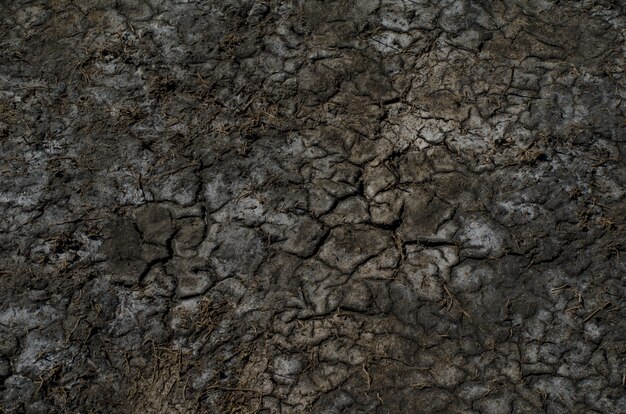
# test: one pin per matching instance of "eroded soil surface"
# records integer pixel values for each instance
(363, 206)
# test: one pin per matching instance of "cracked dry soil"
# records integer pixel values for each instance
(289, 206)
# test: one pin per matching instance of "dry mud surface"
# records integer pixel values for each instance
(370, 206)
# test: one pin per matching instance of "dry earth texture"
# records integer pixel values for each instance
(300, 206)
